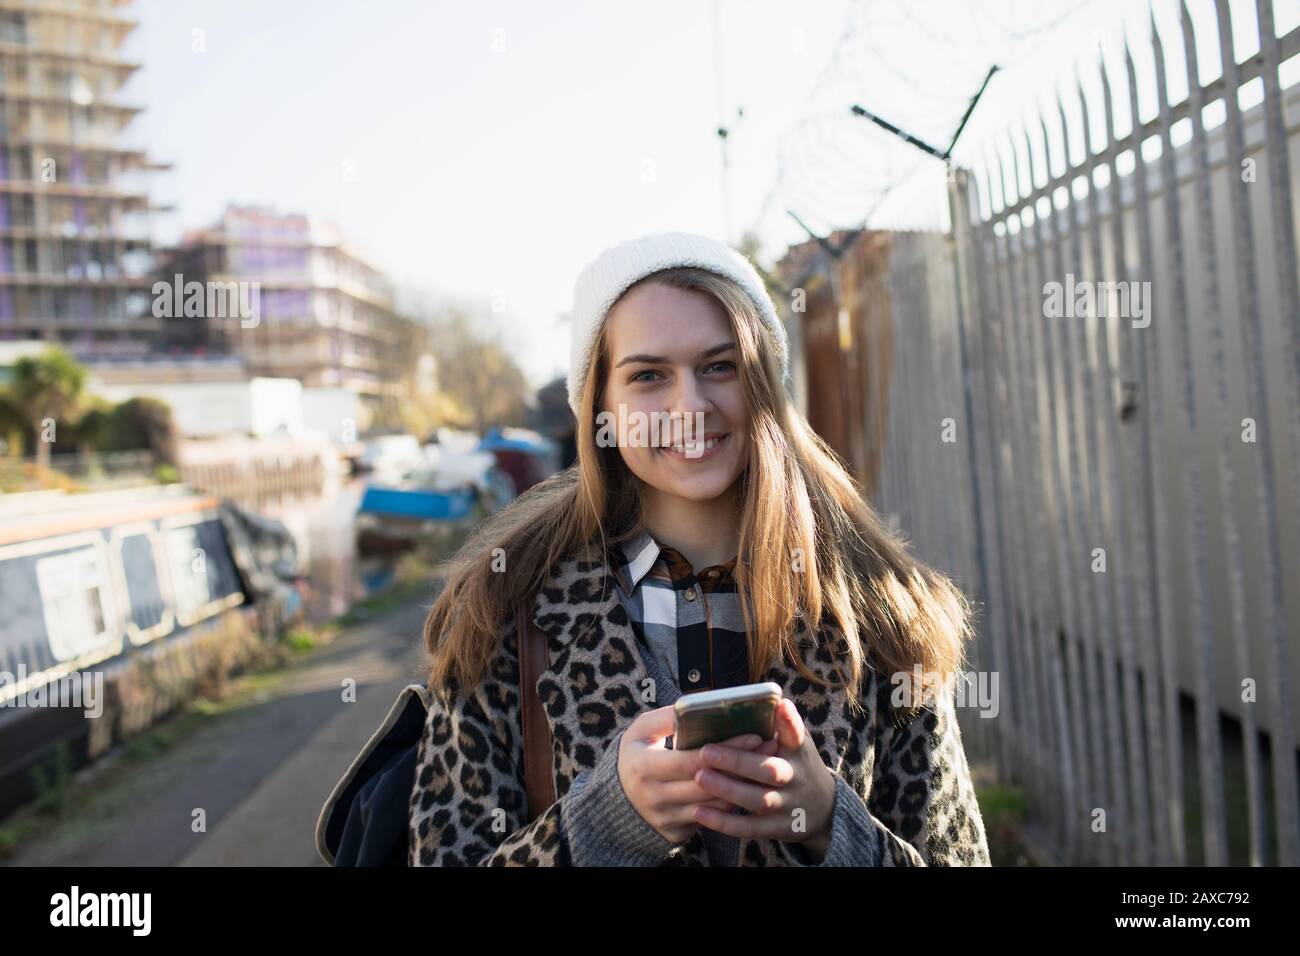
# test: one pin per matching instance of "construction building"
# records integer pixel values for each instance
(301, 303)
(75, 252)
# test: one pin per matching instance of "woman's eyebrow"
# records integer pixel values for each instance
(660, 359)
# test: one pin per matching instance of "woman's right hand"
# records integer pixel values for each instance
(660, 783)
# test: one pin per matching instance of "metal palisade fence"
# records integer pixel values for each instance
(1093, 423)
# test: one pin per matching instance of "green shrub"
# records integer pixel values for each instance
(300, 639)
(140, 423)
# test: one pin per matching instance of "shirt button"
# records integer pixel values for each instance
(693, 676)
(690, 593)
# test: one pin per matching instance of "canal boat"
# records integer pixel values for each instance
(116, 607)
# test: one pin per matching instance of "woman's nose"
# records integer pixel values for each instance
(688, 397)
(689, 409)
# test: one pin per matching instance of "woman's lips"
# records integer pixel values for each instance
(701, 451)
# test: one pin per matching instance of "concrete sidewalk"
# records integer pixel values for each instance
(260, 773)
(274, 825)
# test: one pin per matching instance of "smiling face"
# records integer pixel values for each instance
(672, 353)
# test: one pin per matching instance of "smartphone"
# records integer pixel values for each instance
(711, 716)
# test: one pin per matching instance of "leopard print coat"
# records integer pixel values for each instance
(906, 779)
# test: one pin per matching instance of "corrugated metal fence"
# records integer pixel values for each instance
(1093, 423)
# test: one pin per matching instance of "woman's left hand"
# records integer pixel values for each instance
(773, 782)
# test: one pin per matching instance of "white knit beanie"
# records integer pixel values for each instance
(609, 275)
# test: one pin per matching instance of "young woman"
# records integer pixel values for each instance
(665, 564)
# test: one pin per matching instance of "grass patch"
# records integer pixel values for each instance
(53, 780)
(389, 599)
(12, 835)
(302, 639)
(1005, 810)
(162, 737)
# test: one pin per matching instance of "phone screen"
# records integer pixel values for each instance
(714, 724)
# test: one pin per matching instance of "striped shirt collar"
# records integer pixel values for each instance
(633, 557)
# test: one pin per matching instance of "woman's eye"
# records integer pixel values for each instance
(722, 366)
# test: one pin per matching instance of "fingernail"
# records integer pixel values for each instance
(710, 752)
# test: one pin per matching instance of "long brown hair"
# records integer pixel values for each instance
(811, 547)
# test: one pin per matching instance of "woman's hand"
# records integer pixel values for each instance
(774, 782)
(660, 782)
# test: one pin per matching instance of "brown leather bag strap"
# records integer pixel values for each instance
(538, 782)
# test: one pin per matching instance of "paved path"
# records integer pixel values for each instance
(260, 772)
